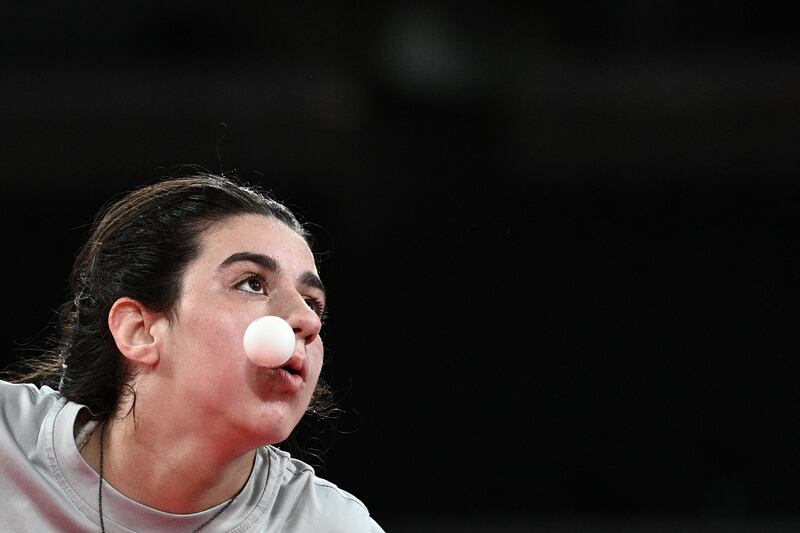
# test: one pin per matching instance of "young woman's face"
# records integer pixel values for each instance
(249, 266)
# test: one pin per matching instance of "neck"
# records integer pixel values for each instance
(177, 475)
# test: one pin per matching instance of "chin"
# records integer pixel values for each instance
(277, 426)
(276, 437)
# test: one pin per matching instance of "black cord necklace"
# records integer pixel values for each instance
(100, 491)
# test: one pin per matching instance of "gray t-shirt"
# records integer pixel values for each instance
(45, 485)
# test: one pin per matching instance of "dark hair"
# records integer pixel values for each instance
(140, 248)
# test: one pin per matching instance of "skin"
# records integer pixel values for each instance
(202, 407)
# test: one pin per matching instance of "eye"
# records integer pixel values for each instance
(316, 305)
(253, 283)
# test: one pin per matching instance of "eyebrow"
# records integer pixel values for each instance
(307, 278)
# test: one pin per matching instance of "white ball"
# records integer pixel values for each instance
(269, 341)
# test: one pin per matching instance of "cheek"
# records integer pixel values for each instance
(315, 354)
(212, 342)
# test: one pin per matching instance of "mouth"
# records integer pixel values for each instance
(296, 367)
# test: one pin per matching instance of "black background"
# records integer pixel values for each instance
(561, 239)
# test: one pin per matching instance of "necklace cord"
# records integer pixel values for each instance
(100, 485)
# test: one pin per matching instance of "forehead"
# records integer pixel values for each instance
(256, 234)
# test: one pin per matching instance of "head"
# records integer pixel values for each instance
(140, 253)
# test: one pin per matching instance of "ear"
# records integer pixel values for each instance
(136, 330)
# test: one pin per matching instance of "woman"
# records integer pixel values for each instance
(149, 416)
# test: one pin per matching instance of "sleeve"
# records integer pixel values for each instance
(374, 527)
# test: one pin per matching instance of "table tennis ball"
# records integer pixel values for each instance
(269, 341)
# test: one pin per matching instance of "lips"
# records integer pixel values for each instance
(296, 366)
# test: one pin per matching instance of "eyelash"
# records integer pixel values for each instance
(314, 303)
(318, 307)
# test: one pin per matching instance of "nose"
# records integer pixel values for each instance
(305, 322)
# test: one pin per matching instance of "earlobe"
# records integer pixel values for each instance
(135, 330)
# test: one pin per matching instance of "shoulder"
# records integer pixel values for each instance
(319, 500)
(23, 403)
(301, 477)
(24, 396)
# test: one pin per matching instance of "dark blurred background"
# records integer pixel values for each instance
(561, 239)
